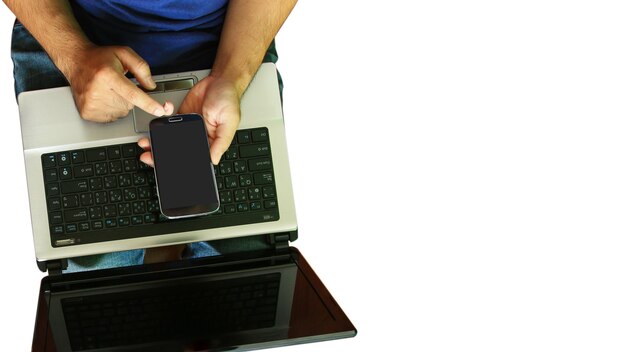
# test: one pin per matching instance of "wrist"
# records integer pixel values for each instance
(72, 58)
(239, 76)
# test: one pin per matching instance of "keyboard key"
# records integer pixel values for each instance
(75, 215)
(54, 203)
(260, 164)
(49, 160)
(101, 168)
(74, 186)
(77, 157)
(269, 204)
(263, 178)
(144, 192)
(97, 154)
(57, 229)
(130, 165)
(139, 207)
(231, 181)
(110, 223)
(70, 228)
(95, 184)
(226, 168)
(65, 173)
(115, 167)
(153, 206)
(56, 218)
(69, 201)
(63, 158)
(260, 135)
(149, 218)
(231, 153)
(249, 151)
(269, 192)
(125, 221)
(86, 199)
(136, 220)
(52, 189)
(143, 166)
(129, 150)
(83, 171)
(240, 195)
(124, 209)
(100, 197)
(110, 210)
(240, 166)
(50, 175)
(254, 193)
(139, 179)
(95, 213)
(124, 180)
(97, 225)
(110, 182)
(243, 137)
(115, 195)
(84, 226)
(226, 196)
(245, 180)
(130, 194)
(114, 152)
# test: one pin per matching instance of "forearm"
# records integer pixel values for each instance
(249, 28)
(53, 24)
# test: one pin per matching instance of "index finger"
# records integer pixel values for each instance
(129, 91)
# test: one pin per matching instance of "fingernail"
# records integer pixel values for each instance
(152, 83)
(159, 111)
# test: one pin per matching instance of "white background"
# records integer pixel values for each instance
(458, 166)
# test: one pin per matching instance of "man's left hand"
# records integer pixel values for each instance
(218, 102)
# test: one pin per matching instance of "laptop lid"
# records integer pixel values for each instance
(247, 301)
(51, 124)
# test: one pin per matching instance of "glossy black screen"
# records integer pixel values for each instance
(184, 172)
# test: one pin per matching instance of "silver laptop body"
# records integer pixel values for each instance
(50, 123)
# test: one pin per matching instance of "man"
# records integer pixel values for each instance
(92, 45)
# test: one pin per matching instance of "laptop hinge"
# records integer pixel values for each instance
(53, 267)
(280, 241)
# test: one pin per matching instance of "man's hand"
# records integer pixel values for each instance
(217, 100)
(101, 91)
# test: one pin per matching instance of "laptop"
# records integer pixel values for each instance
(89, 194)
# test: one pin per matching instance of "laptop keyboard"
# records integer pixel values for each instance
(172, 313)
(106, 193)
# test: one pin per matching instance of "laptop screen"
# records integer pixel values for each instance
(246, 302)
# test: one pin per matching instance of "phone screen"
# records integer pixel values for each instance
(184, 172)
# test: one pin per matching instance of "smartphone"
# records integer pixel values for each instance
(184, 174)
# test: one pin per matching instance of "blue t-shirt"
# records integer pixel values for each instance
(171, 35)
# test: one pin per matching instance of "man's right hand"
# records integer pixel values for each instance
(101, 90)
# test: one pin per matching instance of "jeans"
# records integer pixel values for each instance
(33, 70)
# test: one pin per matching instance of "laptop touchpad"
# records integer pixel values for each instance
(174, 91)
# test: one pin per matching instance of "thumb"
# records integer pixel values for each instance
(134, 63)
(218, 148)
(224, 134)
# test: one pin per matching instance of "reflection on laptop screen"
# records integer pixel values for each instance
(190, 310)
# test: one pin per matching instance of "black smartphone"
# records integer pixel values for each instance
(184, 173)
